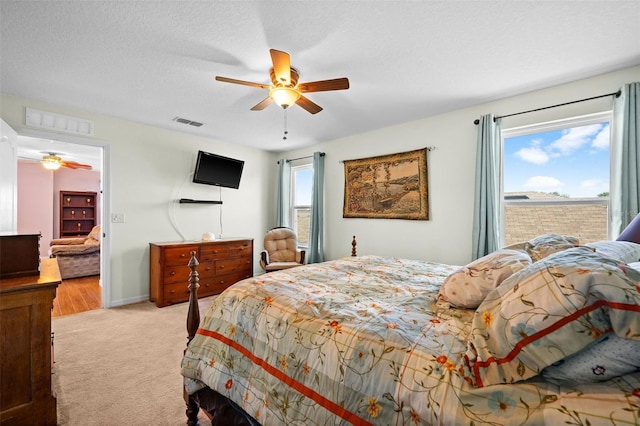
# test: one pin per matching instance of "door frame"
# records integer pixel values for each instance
(105, 205)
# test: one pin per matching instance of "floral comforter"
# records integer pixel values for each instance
(361, 341)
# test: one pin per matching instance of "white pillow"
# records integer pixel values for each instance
(622, 251)
(610, 356)
(468, 286)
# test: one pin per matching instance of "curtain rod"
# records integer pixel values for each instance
(428, 148)
(302, 158)
(617, 94)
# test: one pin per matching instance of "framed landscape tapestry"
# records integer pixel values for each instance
(387, 187)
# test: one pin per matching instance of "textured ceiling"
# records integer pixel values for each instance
(152, 61)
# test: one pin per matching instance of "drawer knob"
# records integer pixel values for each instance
(172, 273)
(183, 255)
(221, 266)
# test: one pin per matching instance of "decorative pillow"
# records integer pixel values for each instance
(468, 286)
(548, 311)
(544, 245)
(622, 251)
(610, 356)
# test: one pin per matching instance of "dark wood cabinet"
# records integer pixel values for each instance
(19, 255)
(221, 264)
(77, 213)
(26, 396)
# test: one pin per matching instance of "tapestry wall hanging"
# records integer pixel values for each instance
(387, 187)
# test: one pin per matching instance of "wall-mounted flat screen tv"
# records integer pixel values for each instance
(212, 169)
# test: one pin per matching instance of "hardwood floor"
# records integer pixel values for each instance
(77, 295)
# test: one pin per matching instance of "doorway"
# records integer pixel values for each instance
(86, 169)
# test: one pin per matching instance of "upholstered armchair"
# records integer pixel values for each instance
(77, 257)
(281, 250)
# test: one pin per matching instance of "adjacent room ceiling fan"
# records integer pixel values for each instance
(52, 161)
(285, 90)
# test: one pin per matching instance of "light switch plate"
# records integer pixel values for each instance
(117, 217)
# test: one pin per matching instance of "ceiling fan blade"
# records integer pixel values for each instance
(245, 83)
(311, 107)
(281, 66)
(324, 85)
(262, 104)
(74, 165)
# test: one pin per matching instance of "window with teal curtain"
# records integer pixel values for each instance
(625, 158)
(316, 238)
(486, 206)
(283, 193)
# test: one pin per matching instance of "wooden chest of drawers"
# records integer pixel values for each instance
(222, 263)
(26, 394)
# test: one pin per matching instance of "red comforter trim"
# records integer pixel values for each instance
(553, 327)
(274, 371)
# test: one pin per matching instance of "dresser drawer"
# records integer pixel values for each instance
(220, 282)
(175, 293)
(243, 248)
(179, 255)
(206, 269)
(174, 274)
(209, 253)
(236, 264)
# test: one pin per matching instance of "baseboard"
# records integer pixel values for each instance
(129, 301)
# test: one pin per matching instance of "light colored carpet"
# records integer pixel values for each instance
(121, 366)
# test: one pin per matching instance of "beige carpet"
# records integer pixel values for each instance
(121, 366)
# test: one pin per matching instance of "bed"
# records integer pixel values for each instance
(544, 332)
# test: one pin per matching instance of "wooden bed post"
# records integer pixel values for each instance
(193, 322)
(353, 246)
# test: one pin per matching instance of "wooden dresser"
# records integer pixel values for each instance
(26, 397)
(222, 263)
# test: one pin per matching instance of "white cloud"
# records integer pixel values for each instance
(533, 155)
(592, 187)
(575, 138)
(601, 141)
(543, 184)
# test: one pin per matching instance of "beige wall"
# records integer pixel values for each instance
(150, 168)
(446, 237)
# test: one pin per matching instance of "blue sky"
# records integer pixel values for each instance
(573, 161)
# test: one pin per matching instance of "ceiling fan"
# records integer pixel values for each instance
(285, 90)
(52, 161)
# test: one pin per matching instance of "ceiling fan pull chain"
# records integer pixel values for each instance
(284, 137)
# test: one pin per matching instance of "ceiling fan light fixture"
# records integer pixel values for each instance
(284, 96)
(51, 162)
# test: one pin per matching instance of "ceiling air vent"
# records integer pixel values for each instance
(189, 122)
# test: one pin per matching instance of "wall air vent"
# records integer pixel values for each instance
(58, 122)
(189, 122)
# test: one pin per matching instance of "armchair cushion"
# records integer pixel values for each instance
(281, 250)
(77, 257)
(72, 250)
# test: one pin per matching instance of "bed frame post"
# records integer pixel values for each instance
(193, 317)
(193, 322)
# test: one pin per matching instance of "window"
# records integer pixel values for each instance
(556, 179)
(301, 187)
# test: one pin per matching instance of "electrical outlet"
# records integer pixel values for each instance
(117, 217)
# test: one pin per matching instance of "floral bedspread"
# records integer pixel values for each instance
(361, 341)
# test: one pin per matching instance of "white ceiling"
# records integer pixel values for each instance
(152, 61)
